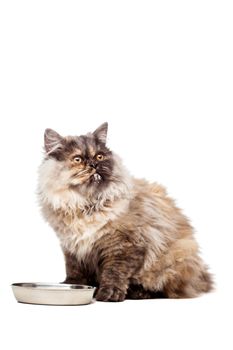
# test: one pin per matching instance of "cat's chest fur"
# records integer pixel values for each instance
(78, 230)
(81, 233)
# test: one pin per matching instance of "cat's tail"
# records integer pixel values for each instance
(199, 281)
(205, 281)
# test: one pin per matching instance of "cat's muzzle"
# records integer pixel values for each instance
(97, 177)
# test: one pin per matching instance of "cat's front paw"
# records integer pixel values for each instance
(110, 294)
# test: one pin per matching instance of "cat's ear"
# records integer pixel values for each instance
(101, 133)
(53, 142)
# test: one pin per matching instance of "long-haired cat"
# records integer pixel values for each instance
(123, 235)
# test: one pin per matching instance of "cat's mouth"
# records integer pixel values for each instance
(97, 177)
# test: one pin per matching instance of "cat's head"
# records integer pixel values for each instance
(82, 161)
(80, 172)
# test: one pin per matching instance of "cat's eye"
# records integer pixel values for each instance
(100, 157)
(78, 159)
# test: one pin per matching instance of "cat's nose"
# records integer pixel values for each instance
(93, 165)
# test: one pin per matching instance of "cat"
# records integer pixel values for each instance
(121, 234)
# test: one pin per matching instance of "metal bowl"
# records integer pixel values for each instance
(53, 293)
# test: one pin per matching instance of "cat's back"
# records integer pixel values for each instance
(152, 198)
(151, 206)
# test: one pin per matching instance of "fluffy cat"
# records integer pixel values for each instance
(123, 235)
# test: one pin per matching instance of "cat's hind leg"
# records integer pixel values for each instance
(186, 276)
(180, 273)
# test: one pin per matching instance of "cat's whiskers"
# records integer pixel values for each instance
(83, 173)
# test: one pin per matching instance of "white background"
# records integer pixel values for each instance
(160, 72)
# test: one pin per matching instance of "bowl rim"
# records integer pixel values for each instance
(52, 286)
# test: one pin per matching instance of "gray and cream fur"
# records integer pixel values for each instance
(123, 235)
